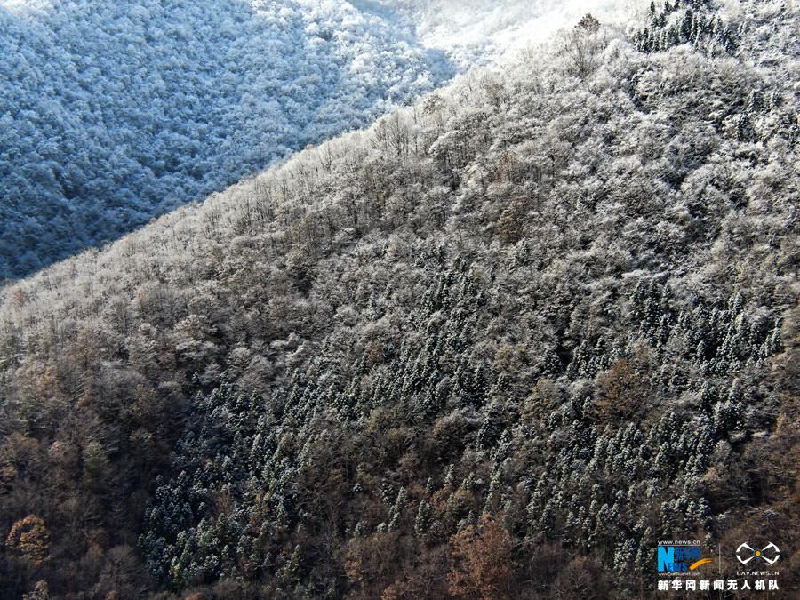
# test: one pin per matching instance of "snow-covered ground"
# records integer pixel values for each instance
(481, 31)
(113, 112)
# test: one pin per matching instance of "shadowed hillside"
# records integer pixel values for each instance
(115, 112)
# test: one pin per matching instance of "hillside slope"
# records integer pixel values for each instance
(498, 345)
(113, 113)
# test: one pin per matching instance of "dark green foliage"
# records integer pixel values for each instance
(686, 22)
(593, 484)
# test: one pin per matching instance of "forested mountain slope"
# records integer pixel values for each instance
(114, 112)
(498, 345)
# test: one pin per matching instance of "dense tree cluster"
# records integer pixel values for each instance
(496, 346)
(684, 22)
(115, 112)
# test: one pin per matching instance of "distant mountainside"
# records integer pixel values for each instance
(499, 345)
(113, 113)
(473, 31)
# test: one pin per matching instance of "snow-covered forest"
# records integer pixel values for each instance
(497, 345)
(114, 112)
